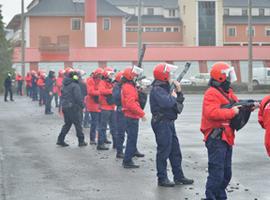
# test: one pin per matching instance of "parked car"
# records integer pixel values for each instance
(261, 76)
(186, 82)
(201, 79)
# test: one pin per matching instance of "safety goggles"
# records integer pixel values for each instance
(230, 74)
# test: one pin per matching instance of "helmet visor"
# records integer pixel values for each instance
(230, 74)
(137, 70)
(171, 69)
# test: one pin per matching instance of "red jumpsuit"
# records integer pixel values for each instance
(213, 116)
(264, 120)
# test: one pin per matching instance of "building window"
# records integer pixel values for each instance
(106, 24)
(252, 32)
(226, 11)
(154, 29)
(231, 31)
(244, 12)
(172, 13)
(168, 29)
(76, 24)
(267, 31)
(175, 29)
(261, 12)
(150, 11)
(132, 29)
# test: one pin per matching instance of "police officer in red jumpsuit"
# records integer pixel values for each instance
(92, 102)
(107, 107)
(132, 112)
(218, 135)
(264, 120)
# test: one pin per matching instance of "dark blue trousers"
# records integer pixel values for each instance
(107, 117)
(42, 96)
(132, 128)
(34, 93)
(48, 102)
(219, 169)
(121, 130)
(95, 120)
(167, 148)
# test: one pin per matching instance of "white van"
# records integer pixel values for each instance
(261, 76)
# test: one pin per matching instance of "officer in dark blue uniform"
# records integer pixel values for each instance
(165, 106)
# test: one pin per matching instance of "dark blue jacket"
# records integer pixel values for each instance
(8, 82)
(71, 94)
(162, 103)
(49, 82)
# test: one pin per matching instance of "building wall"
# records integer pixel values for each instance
(57, 26)
(113, 37)
(220, 25)
(53, 27)
(242, 34)
(189, 16)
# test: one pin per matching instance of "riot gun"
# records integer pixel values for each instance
(245, 109)
(181, 75)
(247, 103)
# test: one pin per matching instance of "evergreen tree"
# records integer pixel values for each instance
(5, 54)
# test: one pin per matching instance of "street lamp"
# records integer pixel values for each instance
(139, 29)
(22, 39)
(250, 53)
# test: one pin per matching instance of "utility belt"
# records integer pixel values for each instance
(71, 106)
(160, 117)
(216, 133)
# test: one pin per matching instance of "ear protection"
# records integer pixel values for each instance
(75, 77)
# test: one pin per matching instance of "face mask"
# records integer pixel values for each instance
(226, 85)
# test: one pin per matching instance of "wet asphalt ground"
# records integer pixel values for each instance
(32, 167)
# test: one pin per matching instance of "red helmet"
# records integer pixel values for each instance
(82, 72)
(61, 72)
(129, 74)
(43, 75)
(107, 72)
(68, 70)
(118, 76)
(33, 72)
(220, 71)
(162, 71)
(98, 73)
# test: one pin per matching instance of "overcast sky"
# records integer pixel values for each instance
(11, 8)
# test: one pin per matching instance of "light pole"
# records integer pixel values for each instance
(139, 29)
(250, 49)
(22, 39)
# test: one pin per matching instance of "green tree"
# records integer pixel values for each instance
(5, 53)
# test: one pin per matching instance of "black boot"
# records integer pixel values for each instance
(92, 142)
(138, 154)
(165, 183)
(102, 147)
(183, 181)
(130, 165)
(82, 144)
(62, 144)
(120, 155)
(107, 142)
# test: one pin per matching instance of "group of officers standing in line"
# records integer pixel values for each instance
(117, 100)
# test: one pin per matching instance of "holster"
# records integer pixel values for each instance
(217, 133)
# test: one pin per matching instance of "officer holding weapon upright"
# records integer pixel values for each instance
(165, 106)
